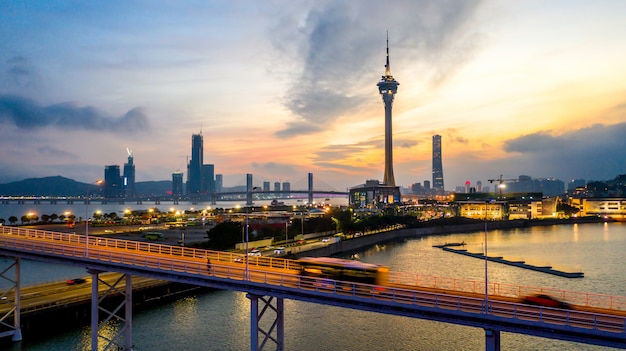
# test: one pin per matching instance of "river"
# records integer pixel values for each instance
(220, 320)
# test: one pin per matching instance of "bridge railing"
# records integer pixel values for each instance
(458, 304)
(403, 278)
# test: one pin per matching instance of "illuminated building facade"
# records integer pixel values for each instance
(437, 164)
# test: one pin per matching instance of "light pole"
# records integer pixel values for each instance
(486, 275)
(97, 182)
(247, 253)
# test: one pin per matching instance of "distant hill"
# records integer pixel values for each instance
(61, 186)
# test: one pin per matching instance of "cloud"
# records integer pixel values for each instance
(340, 42)
(28, 114)
(595, 152)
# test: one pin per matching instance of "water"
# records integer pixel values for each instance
(220, 320)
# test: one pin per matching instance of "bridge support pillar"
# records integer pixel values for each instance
(14, 311)
(492, 340)
(270, 330)
(122, 339)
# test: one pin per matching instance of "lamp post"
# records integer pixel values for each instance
(97, 182)
(486, 275)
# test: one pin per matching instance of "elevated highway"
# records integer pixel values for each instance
(595, 319)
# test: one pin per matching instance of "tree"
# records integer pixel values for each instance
(24, 219)
(225, 235)
(12, 220)
(45, 218)
(2, 221)
(54, 217)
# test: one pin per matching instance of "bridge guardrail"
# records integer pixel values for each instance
(425, 281)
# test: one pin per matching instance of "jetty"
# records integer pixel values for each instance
(520, 264)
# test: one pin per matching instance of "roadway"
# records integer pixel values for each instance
(588, 323)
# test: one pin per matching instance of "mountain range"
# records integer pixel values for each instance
(61, 186)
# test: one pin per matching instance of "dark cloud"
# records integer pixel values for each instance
(341, 43)
(28, 114)
(596, 152)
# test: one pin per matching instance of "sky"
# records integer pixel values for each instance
(281, 89)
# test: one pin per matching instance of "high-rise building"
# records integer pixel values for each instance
(177, 184)
(219, 183)
(112, 182)
(208, 179)
(437, 164)
(266, 186)
(129, 176)
(387, 87)
(194, 168)
(276, 186)
(286, 186)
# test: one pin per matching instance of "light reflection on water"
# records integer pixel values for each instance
(220, 320)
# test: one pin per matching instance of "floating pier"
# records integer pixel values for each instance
(521, 264)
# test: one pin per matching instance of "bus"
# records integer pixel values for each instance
(154, 236)
(343, 270)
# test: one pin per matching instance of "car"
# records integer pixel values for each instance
(325, 240)
(545, 301)
(254, 252)
(279, 251)
(75, 281)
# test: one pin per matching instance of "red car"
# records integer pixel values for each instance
(546, 301)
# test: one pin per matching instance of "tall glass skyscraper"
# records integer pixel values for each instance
(194, 168)
(129, 176)
(437, 164)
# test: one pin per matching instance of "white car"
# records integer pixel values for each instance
(254, 253)
(280, 251)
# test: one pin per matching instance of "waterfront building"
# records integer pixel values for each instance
(208, 179)
(437, 164)
(177, 184)
(266, 186)
(112, 182)
(194, 168)
(129, 176)
(608, 207)
(219, 183)
(374, 194)
(276, 186)
(286, 187)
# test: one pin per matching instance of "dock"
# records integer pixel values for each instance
(520, 264)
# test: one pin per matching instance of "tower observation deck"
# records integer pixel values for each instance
(388, 86)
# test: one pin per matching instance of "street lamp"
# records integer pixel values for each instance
(486, 275)
(97, 182)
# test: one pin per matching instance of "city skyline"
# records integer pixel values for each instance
(283, 89)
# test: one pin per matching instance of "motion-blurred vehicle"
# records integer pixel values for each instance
(546, 301)
(75, 281)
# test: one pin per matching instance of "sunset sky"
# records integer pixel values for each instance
(283, 88)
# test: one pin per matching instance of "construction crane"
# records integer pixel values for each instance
(501, 182)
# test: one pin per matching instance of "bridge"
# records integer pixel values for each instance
(596, 319)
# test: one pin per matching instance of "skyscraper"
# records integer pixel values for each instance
(388, 86)
(129, 176)
(177, 184)
(194, 168)
(437, 164)
(112, 182)
(208, 179)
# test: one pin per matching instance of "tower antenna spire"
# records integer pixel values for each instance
(387, 67)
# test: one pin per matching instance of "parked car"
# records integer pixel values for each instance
(546, 301)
